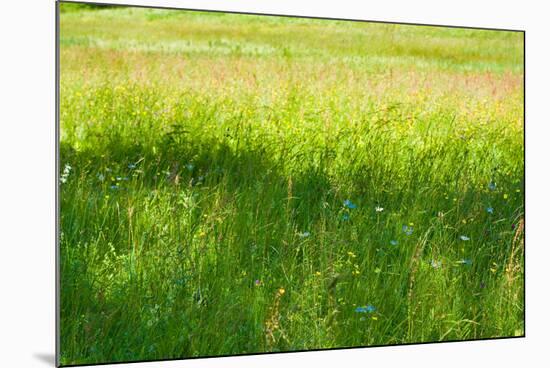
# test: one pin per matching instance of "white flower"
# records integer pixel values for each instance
(379, 209)
(464, 238)
(66, 171)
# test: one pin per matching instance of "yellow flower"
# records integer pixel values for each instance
(505, 196)
(281, 291)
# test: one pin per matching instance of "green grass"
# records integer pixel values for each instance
(206, 159)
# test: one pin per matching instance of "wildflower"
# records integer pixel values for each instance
(393, 242)
(464, 238)
(114, 187)
(317, 273)
(305, 234)
(492, 185)
(190, 167)
(132, 166)
(490, 210)
(118, 178)
(349, 204)
(379, 209)
(505, 196)
(101, 177)
(351, 254)
(435, 264)
(257, 282)
(66, 171)
(345, 217)
(281, 291)
(407, 229)
(366, 309)
(467, 262)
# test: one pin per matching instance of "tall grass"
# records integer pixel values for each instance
(237, 184)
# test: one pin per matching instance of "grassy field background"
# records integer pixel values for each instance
(236, 184)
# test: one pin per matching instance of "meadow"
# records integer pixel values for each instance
(236, 184)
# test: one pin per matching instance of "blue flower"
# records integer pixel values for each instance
(349, 204)
(490, 210)
(366, 309)
(114, 187)
(492, 185)
(345, 217)
(132, 166)
(190, 167)
(305, 234)
(407, 229)
(464, 238)
(393, 242)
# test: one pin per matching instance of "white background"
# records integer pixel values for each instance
(27, 204)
